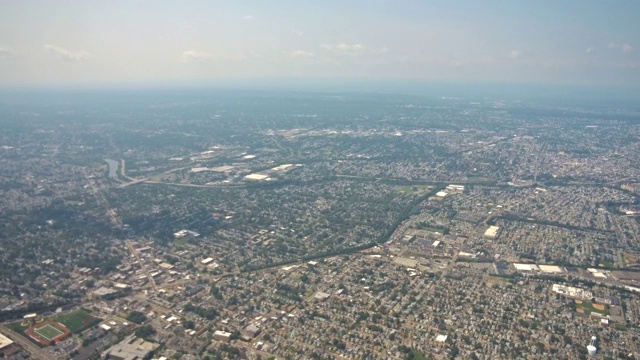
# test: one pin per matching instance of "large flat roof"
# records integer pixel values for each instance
(550, 268)
(256, 177)
(492, 231)
(5, 341)
(526, 267)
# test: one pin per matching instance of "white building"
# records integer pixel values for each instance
(222, 336)
(492, 232)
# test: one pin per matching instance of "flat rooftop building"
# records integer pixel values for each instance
(551, 269)
(256, 177)
(321, 296)
(250, 331)
(526, 267)
(222, 336)
(4, 341)
(131, 348)
(571, 291)
(492, 232)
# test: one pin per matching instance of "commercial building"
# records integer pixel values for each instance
(250, 331)
(458, 188)
(256, 177)
(571, 291)
(131, 348)
(206, 261)
(222, 336)
(321, 296)
(492, 232)
(551, 269)
(183, 233)
(526, 267)
(4, 341)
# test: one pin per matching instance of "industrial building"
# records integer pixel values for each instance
(551, 269)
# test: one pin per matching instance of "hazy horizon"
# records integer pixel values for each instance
(132, 44)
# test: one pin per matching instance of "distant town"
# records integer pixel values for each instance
(260, 225)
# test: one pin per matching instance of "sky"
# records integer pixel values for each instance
(83, 42)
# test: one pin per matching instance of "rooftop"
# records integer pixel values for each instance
(5, 341)
(131, 348)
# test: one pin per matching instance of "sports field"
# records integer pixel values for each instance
(48, 332)
(77, 321)
(45, 333)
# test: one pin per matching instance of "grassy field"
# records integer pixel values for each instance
(432, 229)
(416, 189)
(620, 327)
(418, 355)
(588, 307)
(490, 280)
(77, 321)
(49, 332)
(17, 327)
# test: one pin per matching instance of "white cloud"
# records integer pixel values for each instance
(65, 54)
(249, 18)
(5, 52)
(296, 32)
(193, 55)
(625, 48)
(515, 54)
(472, 61)
(203, 56)
(345, 49)
(590, 50)
(301, 54)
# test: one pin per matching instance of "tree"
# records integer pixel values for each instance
(189, 324)
(454, 352)
(137, 317)
(145, 332)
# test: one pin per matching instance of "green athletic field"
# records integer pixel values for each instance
(48, 331)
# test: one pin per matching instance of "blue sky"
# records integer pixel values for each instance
(62, 42)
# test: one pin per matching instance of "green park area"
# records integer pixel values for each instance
(19, 326)
(77, 321)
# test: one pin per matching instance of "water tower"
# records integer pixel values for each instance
(591, 348)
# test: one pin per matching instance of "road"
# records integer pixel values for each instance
(26, 344)
(142, 264)
(138, 181)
